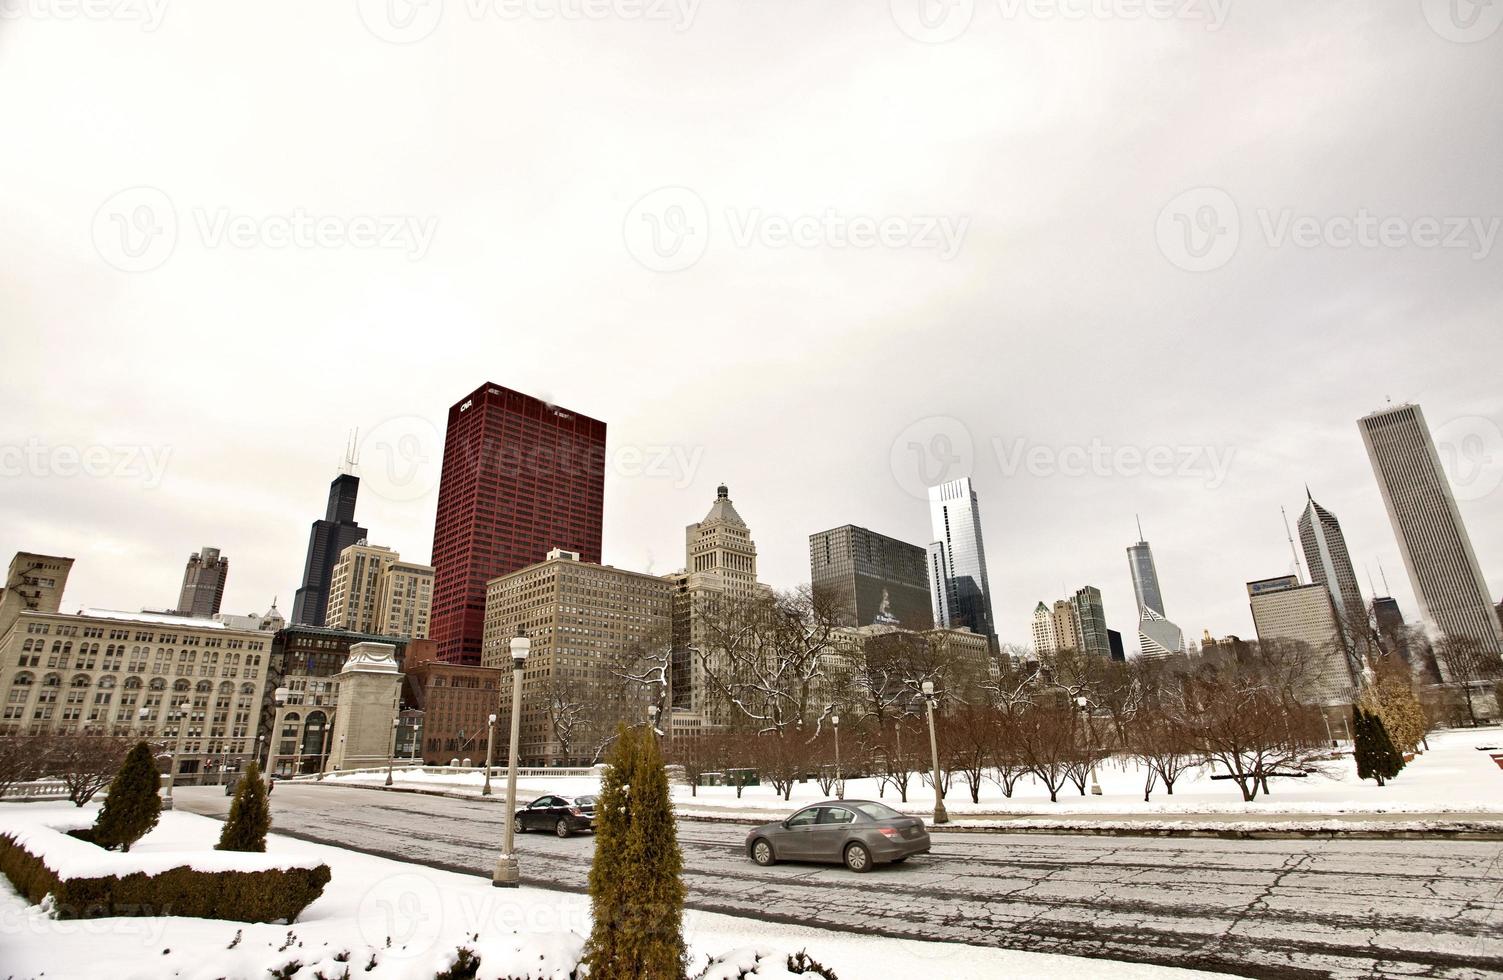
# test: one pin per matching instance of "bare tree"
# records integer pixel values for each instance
(21, 759)
(970, 744)
(85, 763)
(1046, 734)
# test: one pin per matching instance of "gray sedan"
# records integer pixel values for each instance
(856, 833)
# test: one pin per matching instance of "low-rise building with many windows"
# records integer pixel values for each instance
(109, 673)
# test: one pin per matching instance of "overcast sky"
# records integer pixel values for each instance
(820, 252)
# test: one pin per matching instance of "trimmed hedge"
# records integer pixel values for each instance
(247, 896)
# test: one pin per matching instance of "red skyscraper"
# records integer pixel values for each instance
(520, 477)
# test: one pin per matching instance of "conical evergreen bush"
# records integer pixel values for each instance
(132, 806)
(1376, 756)
(636, 889)
(250, 815)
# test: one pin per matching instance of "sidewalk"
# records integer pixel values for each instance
(1480, 826)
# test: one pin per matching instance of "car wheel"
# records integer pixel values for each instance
(762, 853)
(521, 827)
(561, 828)
(858, 858)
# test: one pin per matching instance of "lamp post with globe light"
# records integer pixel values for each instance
(490, 744)
(508, 874)
(839, 783)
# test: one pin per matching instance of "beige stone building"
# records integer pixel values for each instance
(584, 621)
(371, 590)
(103, 672)
(1283, 609)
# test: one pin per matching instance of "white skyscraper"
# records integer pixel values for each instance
(1437, 551)
(957, 561)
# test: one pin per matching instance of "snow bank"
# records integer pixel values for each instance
(44, 833)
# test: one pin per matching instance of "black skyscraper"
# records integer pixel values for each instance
(336, 532)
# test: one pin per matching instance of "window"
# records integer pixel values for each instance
(835, 814)
(804, 818)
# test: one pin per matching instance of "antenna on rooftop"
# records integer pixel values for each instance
(1299, 571)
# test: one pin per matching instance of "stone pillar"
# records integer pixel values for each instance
(369, 687)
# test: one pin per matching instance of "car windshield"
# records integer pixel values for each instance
(877, 811)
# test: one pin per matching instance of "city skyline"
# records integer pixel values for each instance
(1020, 633)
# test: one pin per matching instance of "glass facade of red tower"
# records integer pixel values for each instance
(520, 477)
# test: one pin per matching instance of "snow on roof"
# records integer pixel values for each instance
(156, 619)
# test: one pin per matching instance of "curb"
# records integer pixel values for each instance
(1492, 831)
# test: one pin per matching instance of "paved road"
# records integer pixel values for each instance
(1264, 908)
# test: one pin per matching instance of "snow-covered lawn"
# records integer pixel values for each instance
(1453, 777)
(408, 920)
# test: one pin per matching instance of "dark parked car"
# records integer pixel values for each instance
(563, 815)
(856, 833)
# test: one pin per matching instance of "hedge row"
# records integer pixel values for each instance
(247, 896)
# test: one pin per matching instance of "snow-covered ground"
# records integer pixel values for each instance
(1453, 777)
(407, 920)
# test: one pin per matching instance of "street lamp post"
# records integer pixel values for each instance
(323, 762)
(279, 696)
(1084, 705)
(490, 754)
(392, 755)
(839, 783)
(652, 718)
(508, 874)
(177, 750)
(940, 816)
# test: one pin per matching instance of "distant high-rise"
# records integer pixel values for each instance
(1114, 642)
(958, 585)
(520, 478)
(1387, 615)
(1283, 609)
(1090, 618)
(1066, 626)
(1331, 565)
(326, 540)
(877, 580)
(1043, 629)
(203, 584)
(1437, 552)
(1157, 636)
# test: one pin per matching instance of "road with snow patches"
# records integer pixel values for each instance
(1260, 908)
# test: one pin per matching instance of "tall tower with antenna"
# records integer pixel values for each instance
(326, 540)
(1157, 636)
